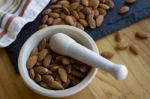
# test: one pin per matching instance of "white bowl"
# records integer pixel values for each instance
(34, 40)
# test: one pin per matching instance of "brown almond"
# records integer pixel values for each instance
(64, 3)
(56, 6)
(38, 78)
(54, 67)
(86, 10)
(99, 20)
(90, 16)
(68, 69)
(34, 51)
(43, 84)
(57, 21)
(79, 8)
(134, 49)
(42, 26)
(65, 61)
(57, 78)
(81, 15)
(85, 2)
(122, 45)
(54, 15)
(92, 23)
(63, 74)
(73, 6)
(31, 73)
(44, 19)
(47, 11)
(124, 9)
(54, 1)
(93, 3)
(110, 3)
(118, 37)
(77, 73)
(107, 54)
(130, 1)
(38, 63)
(50, 21)
(42, 44)
(66, 11)
(104, 6)
(57, 10)
(47, 60)
(32, 61)
(84, 68)
(69, 20)
(75, 14)
(83, 22)
(65, 85)
(102, 12)
(42, 54)
(75, 82)
(63, 15)
(96, 13)
(102, 1)
(41, 70)
(55, 85)
(142, 35)
(80, 26)
(47, 78)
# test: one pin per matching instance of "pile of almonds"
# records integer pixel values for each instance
(78, 13)
(53, 71)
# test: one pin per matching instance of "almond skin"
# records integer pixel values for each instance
(42, 26)
(31, 73)
(83, 22)
(142, 35)
(134, 49)
(55, 85)
(104, 6)
(47, 11)
(41, 70)
(124, 9)
(92, 23)
(73, 6)
(42, 44)
(69, 20)
(93, 3)
(63, 74)
(110, 3)
(85, 2)
(50, 21)
(118, 37)
(47, 60)
(107, 54)
(44, 19)
(47, 78)
(38, 78)
(42, 54)
(80, 26)
(32, 61)
(54, 15)
(122, 45)
(43, 84)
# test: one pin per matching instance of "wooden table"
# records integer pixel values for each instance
(104, 86)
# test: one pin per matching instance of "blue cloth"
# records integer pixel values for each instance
(113, 22)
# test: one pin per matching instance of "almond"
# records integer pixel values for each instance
(80, 26)
(54, 1)
(57, 21)
(64, 3)
(93, 3)
(130, 1)
(83, 22)
(65, 85)
(38, 78)
(75, 14)
(41, 70)
(42, 54)
(142, 35)
(44, 19)
(56, 6)
(134, 49)
(124, 9)
(68, 69)
(32, 61)
(102, 12)
(42, 26)
(57, 78)
(107, 54)
(104, 6)
(84, 68)
(57, 10)
(54, 15)
(47, 11)
(50, 21)
(77, 73)
(63, 15)
(110, 3)
(55, 85)
(79, 8)
(63, 74)
(31, 73)
(42, 44)
(96, 13)
(47, 60)
(85, 2)
(69, 20)
(34, 51)
(118, 37)
(102, 1)
(54, 67)
(43, 84)
(92, 23)
(73, 6)
(122, 45)
(81, 15)
(47, 78)
(86, 10)
(99, 20)
(66, 11)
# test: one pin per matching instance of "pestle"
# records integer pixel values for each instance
(65, 45)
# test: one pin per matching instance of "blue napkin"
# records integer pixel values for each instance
(113, 22)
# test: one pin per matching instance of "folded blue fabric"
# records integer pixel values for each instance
(113, 22)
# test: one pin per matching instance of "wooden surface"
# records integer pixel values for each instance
(136, 86)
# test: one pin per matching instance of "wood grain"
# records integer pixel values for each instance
(104, 86)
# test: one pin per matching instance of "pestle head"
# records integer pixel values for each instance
(60, 42)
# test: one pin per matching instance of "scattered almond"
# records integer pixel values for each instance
(107, 54)
(122, 45)
(118, 37)
(142, 35)
(124, 9)
(134, 49)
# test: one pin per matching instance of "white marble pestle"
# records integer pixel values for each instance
(65, 45)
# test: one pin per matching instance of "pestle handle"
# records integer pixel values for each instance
(65, 45)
